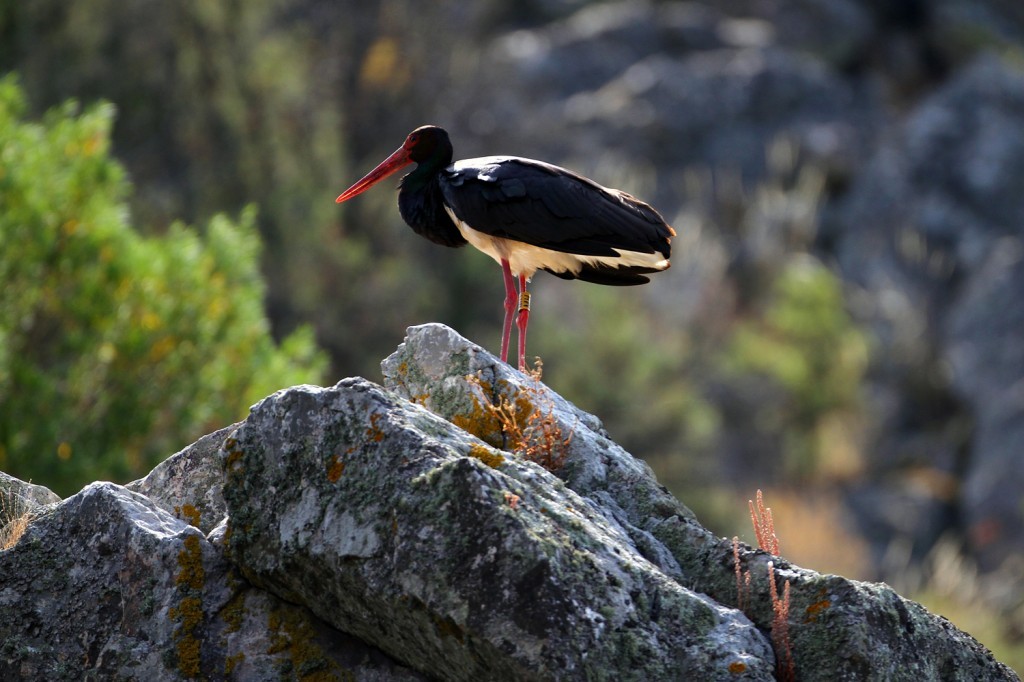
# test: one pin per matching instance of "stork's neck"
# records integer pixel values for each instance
(420, 198)
(421, 203)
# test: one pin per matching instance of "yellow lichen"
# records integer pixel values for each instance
(188, 513)
(231, 662)
(190, 560)
(189, 611)
(292, 634)
(189, 615)
(234, 612)
(486, 455)
(481, 420)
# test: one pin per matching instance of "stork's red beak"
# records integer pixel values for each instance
(400, 159)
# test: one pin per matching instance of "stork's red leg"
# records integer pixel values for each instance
(510, 308)
(522, 320)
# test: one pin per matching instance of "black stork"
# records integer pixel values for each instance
(527, 215)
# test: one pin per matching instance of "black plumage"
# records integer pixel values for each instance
(536, 203)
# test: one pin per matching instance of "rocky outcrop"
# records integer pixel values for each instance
(107, 584)
(465, 562)
(410, 531)
(829, 614)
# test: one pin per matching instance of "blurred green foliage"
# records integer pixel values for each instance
(118, 349)
(805, 341)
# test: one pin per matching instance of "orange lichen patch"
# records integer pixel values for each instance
(486, 455)
(188, 513)
(737, 667)
(481, 420)
(812, 612)
(335, 468)
(374, 432)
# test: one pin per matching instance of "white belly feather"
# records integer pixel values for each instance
(526, 259)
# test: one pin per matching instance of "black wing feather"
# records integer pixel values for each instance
(550, 207)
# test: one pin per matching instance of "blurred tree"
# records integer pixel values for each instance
(804, 342)
(117, 349)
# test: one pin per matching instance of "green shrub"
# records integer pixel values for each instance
(117, 349)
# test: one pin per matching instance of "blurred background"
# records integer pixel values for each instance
(842, 327)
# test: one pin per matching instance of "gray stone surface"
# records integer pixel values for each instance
(188, 483)
(107, 585)
(468, 564)
(830, 638)
(363, 535)
(17, 495)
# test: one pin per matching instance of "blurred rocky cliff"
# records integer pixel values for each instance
(918, 134)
